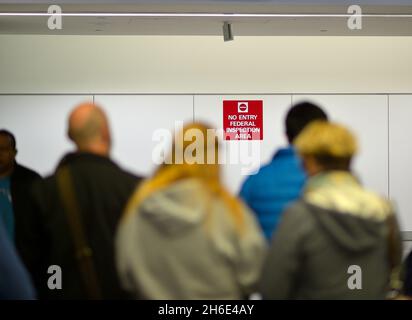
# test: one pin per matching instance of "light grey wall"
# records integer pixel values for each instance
(205, 64)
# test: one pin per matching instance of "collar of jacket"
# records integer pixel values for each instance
(17, 172)
(73, 157)
(332, 178)
(285, 152)
(342, 192)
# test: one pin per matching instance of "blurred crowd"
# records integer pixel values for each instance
(302, 227)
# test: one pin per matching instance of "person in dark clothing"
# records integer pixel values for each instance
(15, 282)
(15, 184)
(97, 193)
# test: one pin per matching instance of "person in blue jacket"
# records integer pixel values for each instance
(280, 182)
(15, 283)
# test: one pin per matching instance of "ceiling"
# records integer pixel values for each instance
(241, 26)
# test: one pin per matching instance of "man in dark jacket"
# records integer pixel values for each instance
(340, 240)
(15, 184)
(89, 187)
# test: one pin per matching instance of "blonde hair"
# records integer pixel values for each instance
(187, 167)
(326, 139)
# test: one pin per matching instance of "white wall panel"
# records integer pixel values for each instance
(40, 125)
(134, 119)
(400, 151)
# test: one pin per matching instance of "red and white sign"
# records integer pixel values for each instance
(243, 119)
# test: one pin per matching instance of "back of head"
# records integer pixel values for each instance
(299, 116)
(195, 151)
(89, 129)
(10, 137)
(194, 155)
(8, 152)
(330, 144)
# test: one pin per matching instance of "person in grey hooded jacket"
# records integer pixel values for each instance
(183, 236)
(339, 241)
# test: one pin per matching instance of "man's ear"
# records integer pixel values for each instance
(287, 138)
(106, 134)
(15, 153)
(310, 165)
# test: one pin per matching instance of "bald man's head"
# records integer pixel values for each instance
(89, 129)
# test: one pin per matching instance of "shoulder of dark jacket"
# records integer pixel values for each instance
(87, 158)
(23, 173)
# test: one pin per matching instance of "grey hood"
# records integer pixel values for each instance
(349, 232)
(167, 249)
(177, 208)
